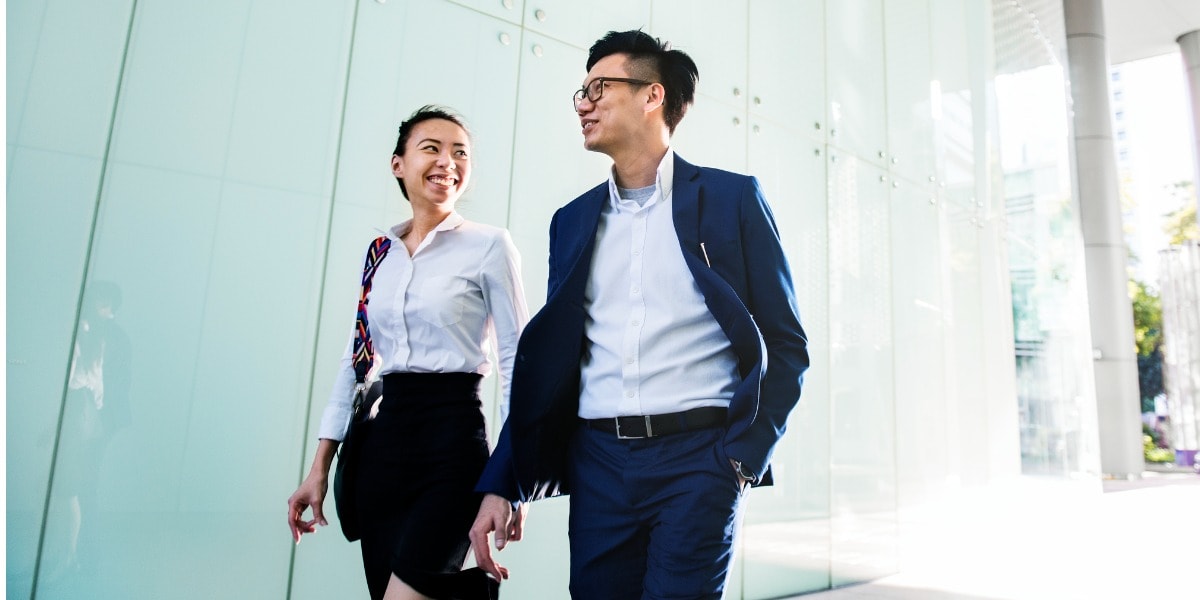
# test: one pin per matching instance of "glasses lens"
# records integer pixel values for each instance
(595, 89)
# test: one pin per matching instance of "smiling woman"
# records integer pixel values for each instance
(438, 309)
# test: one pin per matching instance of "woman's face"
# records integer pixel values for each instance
(436, 165)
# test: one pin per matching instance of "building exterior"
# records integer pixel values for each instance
(191, 186)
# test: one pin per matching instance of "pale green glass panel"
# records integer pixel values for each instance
(143, 212)
(855, 78)
(954, 121)
(181, 81)
(581, 24)
(787, 64)
(713, 34)
(548, 140)
(785, 538)
(909, 85)
(215, 404)
(285, 120)
(22, 31)
(863, 480)
(918, 321)
(74, 77)
(713, 134)
(509, 10)
(964, 364)
(51, 199)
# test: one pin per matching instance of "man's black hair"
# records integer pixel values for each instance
(652, 59)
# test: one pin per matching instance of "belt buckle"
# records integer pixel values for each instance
(621, 436)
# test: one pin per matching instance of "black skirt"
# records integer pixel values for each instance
(421, 458)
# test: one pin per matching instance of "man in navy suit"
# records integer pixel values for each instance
(656, 381)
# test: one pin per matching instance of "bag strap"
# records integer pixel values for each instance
(364, 351)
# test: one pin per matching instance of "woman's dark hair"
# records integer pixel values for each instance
(653, 60)
(425, 113)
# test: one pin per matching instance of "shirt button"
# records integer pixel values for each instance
(629, 394)
(636, 291)
(629, 361)
(635, 322)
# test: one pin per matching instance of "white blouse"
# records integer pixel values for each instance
(439, 311)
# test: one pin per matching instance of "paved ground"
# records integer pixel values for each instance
(1044, 539)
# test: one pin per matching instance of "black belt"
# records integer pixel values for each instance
(648, 426)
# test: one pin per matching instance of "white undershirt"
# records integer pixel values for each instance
(651, 345)
(439, 311)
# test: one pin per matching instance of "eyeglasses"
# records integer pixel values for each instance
(594, 90)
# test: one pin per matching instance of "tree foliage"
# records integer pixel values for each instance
(1180, 223)
(1147, 330)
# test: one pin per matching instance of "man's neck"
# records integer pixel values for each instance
(638, 168)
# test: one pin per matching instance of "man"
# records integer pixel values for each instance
(656, 381)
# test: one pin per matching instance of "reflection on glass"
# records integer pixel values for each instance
(96, 410)
(1052, 339)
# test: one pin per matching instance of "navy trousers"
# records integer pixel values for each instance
(651, 518)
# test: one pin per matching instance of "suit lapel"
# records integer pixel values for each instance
(686, 204)
(576, 239)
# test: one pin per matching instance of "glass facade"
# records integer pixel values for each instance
(172, 165)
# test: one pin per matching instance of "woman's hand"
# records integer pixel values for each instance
(310, 493)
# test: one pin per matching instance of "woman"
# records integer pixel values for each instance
(446, 290)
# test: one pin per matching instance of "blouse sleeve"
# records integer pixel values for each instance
(507, 311)
(337, 411)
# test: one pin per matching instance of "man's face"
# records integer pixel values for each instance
(612, 122)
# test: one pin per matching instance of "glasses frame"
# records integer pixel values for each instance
(582, 92)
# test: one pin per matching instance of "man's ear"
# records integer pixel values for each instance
(656, 97)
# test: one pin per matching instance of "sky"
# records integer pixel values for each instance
(1152, 93)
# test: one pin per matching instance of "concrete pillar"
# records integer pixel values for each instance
(1189, 47)
(1118, 404)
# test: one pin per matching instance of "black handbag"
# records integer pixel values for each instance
(345, 475)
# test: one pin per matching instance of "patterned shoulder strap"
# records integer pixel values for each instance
(364, 351)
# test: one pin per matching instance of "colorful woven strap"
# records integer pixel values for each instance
(364, 351)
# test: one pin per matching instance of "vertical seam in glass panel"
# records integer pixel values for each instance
(512, 175)
(87, 263)
(828, 301)
(337, 160)
(889, 202)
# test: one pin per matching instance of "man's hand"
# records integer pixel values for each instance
(496, 515)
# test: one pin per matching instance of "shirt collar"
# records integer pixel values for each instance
(452, 221)
(664, 180)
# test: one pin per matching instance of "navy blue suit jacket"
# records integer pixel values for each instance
(747, 286)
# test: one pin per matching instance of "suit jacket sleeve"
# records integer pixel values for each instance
(499, 475)
(772, 303)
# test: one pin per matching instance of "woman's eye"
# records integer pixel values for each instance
(461, 154)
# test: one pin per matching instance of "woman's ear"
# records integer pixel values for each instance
(398, 166)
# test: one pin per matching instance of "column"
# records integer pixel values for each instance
(1111, 313)
(1189, 47)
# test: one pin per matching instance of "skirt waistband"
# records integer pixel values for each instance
(405, 385)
